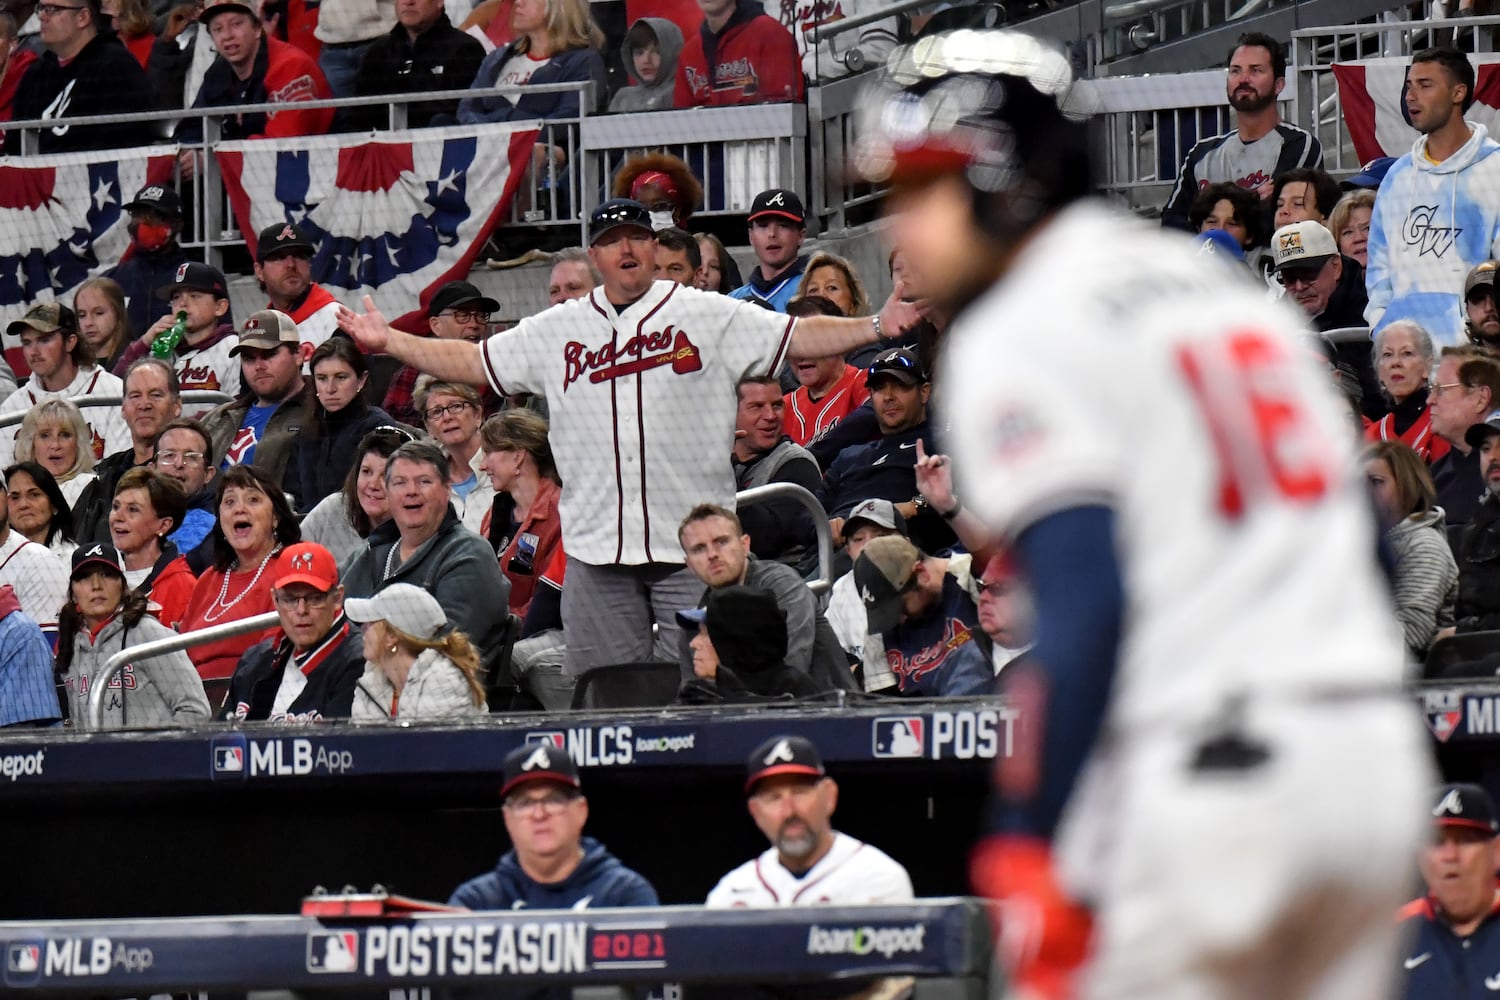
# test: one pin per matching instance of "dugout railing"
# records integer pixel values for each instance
(187, 640)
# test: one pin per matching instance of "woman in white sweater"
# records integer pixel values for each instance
(416, 667)
(1425, 580)
(103, 617)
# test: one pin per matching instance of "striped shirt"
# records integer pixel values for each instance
(1227, 157)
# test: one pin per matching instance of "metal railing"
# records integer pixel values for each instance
(791, 491)
(189, 397)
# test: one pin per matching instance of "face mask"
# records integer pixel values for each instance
(149, 236)
(662, 220)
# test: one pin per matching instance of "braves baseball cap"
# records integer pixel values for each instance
(544, 761)
(193, 276)
(1370, 175)
(780, 203)
(283, 236)
(156, 198)
(1476, 433)
(45, 317)
(460, 293)
(100, 555)
(409, 609)
(881, 573)
(1482, 275)
(783, 755)
(881, 513)
(1466, 805)
(214, 8)
(899, 362)
(1302, 244)
(1218, 243)
(265, 331)
(309, 563)
(616, 213)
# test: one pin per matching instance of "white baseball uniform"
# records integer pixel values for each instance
(851, 873)
(38, 576)
(1173, 392)
(643, 408)
(209, 367)
(106, 422)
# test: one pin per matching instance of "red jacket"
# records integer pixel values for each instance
(20, 62)
(170, 589)
(1419, 436)
(807, 418)
(753, 60)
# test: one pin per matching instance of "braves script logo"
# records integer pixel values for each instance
(1249, 181)
(300, 89)
(803, 16)
(956, 635)
(1430, 239)
(738, 75)
(638, 354)
(198, 377)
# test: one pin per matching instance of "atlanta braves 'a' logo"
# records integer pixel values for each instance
(661, 348)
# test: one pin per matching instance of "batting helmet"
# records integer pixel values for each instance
(998, 107)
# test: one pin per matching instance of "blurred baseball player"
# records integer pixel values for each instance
(1214, 693)
(639, 376)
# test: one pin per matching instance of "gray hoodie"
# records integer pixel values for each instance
(153, 693)
(658, 96)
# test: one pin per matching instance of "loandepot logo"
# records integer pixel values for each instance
(886, 941)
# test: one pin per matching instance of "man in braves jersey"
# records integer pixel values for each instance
(1453, 931)
(828, 389)
(1261, 145)
(792, 800)
(1215, 687)
(62, 367)
(38, 577)
(639, 376)
(283, 266)
(202, 359)
(778, 225)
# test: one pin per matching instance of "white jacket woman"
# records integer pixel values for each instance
(416, 667)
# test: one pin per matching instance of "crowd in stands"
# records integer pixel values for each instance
(1396, 266)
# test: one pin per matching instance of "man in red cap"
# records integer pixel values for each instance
(551, 865)
(1454, 928)
(309, 671)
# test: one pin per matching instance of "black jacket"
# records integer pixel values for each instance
(1478, 606)
(781, 529)
(442, 58)
(318, 465)
(141, 275)
(91, 512)
(1346, 308)
(329, 694)
(1460, 486)
(887, 470)
(782, 684)
(103, 79)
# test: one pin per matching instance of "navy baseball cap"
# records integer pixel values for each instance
(99, 555)
(618, 212)
(1466, 805)
(193, 276)
(156, 198)
(460, 293)
(783, 755)
(1370, 175)
(900, 363)
(538, 762)
(280, 238)
(780, 203)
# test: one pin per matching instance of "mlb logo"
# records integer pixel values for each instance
(23, 963)
(899, 737)
(1443, 711)
(333, 951)
(228, 757)
(556, 737)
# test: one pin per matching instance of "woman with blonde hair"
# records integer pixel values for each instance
(1424, 580)
(836, 279)
(416, 666)
(55, 436)
(556, 41)
(1350, 225)
(451, 412)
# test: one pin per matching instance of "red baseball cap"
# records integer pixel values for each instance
(309, 563)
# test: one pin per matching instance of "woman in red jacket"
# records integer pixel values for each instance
(147, 507)
(1404, 362)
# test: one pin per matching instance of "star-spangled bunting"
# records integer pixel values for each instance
(394, 216)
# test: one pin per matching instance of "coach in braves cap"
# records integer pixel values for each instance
(551, 865)
(1455, 929)
(792, 801)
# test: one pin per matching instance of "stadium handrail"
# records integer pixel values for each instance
(189, 396)
(186, 640)
(942, 938)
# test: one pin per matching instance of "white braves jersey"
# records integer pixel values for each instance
(37, 575)
(1168, 388)
(106, 422)
(643, 408)
(208, 368)
(824, 59)
(851, 873)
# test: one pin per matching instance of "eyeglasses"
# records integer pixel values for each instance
(313, 600)
(466, 316)
(179, 457)
(52, 9)
(1439, 389)
(551, 803)
(453, 409)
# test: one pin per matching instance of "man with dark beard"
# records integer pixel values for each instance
(1261, 145)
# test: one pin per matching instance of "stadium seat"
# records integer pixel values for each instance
(501, 692)
(628, 685)
(1467, 654)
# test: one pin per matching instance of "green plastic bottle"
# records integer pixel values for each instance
(164, 345)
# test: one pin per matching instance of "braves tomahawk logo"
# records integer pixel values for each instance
(782, 752)
(1452, 804)
(1429, 239)
(639, 354)
(539, 758)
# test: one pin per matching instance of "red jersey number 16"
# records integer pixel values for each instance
(1268, 446)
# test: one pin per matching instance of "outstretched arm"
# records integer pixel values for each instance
(823, 336)
(451, 360)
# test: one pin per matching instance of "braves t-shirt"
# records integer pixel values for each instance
(252, 429)
(945, 654)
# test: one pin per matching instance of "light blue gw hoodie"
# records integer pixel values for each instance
(1432, 223)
